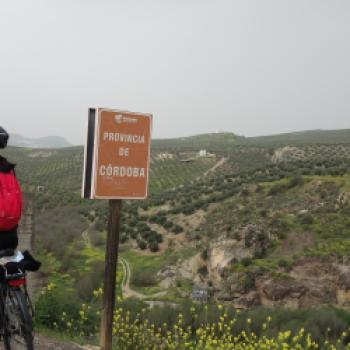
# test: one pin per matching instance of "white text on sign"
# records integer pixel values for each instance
(121, 171)
(124, 152)
(117, 137)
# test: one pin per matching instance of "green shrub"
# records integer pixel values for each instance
(153, 246)
(277, 189)
(143, 278)
(295, 181)
(246, 261)
(247, 282)
(141, 244)
(97, 239)
(287, 265)
(177, 229)
(306, 219)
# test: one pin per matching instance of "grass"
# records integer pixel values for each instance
(185, 285)
(141, 264)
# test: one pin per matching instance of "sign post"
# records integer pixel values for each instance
(110, 273)
(116, 167)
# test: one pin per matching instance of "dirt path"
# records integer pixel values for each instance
(44, 343)
(127, 291)
(220, 163)
(85, 234)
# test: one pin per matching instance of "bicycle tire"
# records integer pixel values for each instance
(18, 333)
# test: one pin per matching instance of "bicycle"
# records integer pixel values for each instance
(16, 312)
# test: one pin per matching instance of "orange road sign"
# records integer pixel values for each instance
(117, 155)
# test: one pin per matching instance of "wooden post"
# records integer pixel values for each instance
(111, 260)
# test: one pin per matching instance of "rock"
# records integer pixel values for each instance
(342, 200)
(199, 281)
(224, 297)
(343, 298)
(167, 283)
(248, 301)
(241, 283)
(287, 153)
(221, 256)
(256, 239)
(169, 271)
(318, 295)
(190, 267)
(343, 286)
(184, 294)
(344, 281)
(277, 290)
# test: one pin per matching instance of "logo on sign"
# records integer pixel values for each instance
(120, 119)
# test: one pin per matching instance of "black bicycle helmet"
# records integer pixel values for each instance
(4, 136)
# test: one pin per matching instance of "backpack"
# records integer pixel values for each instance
(10, 201)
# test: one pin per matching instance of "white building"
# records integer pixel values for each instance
(203, 153)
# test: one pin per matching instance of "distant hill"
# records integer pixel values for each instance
(42, 142)
(302, 138)
(214, 142)
(226, 142)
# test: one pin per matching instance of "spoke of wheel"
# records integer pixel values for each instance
(18, 315)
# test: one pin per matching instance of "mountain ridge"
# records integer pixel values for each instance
(18, 140)
(209, 140)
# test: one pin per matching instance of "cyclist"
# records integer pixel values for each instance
(9, 191)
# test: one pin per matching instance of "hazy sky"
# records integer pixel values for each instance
(248, 66)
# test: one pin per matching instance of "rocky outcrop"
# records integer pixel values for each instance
(343, 287)
(287, 153)
(342, 200)
(277, 290)
(312, 282)
(223, 254)
(188, 269)
(318, 295)
(250, 300)
(256, 239)
(219, 257)
(184, 270)
(344, 279)
(253, 242)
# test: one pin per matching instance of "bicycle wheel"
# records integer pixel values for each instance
(18, 332)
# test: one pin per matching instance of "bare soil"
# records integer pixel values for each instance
(44, 343)
(294, 243)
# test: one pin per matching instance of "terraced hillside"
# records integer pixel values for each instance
(311, 153)
(60, 171)
(228, 214)
(178, 161)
